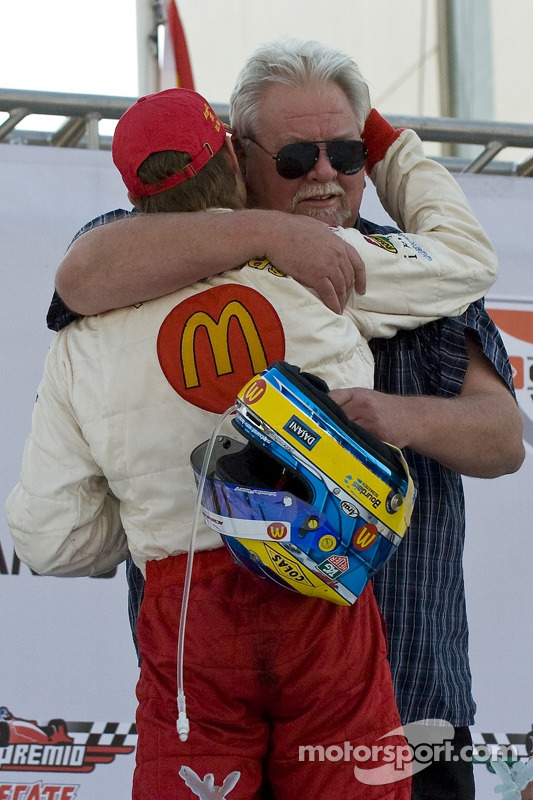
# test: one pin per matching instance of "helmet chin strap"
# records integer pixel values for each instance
(182, 723)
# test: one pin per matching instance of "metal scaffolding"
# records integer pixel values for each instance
(80, 116)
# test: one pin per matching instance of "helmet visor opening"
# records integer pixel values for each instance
(254, 468)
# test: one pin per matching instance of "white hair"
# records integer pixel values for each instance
(295, 62)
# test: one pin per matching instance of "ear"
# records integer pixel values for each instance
(240, 152)
(231, 155)
(133, 201)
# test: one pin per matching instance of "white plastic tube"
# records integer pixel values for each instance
(182, 723)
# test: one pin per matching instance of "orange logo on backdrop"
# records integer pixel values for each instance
(212, 343)
(516, 326)
(514, 321)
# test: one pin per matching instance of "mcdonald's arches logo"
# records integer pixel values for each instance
(214, 342)
(254, 392)
(277, 530)
(365, 536)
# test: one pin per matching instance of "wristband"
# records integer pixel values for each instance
(378, 135)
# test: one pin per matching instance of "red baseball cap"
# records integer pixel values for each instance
(175, 119)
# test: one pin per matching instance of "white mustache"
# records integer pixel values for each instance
(324, 190)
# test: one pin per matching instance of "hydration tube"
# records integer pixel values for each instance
(182, 723)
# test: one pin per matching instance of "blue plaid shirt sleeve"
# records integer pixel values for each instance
(421, 591)
(59, 315)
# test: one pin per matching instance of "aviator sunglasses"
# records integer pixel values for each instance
(295, 160)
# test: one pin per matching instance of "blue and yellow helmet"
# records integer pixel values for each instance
(309, 500)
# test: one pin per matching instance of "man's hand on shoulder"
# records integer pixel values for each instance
(308, 251)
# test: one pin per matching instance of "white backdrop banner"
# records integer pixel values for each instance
(69, 668)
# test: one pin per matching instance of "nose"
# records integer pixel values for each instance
(322, 170)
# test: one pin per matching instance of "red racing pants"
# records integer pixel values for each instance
(287, 690)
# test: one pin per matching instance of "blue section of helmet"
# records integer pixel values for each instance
(332, 529)
(309, 524)
(315, 413)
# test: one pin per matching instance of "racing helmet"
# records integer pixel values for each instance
(308, 499)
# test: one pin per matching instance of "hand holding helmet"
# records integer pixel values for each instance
(311, 501)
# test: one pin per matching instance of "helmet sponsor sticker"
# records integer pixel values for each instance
(341, 562)
(259, 529)
(349, 509)
(254, 392)
(365, 536)
(289, 569)
(300, 431)
(334, 566)
(277, 531)
(363, 490)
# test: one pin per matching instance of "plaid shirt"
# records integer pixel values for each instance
(420, 590)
